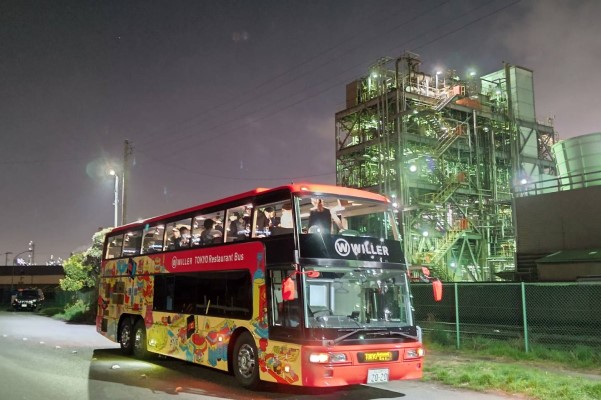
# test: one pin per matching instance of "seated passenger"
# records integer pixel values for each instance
(286, 220)
(184, 240)
(210, 234)
(237, 228)
(265, 221)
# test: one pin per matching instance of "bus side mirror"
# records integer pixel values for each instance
(437, 289)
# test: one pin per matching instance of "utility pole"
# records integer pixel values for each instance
(128, 150)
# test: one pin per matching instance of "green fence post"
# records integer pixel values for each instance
(524, 314)
(457, 314)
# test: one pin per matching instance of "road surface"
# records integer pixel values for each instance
(42, 358)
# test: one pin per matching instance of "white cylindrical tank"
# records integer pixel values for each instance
(578, 161)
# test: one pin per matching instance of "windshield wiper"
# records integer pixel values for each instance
(375, 332)
(408, 336)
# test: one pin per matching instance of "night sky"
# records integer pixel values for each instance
(219, 97)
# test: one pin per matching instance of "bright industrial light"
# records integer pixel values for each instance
(453, 265)
(412, 168)
(524, 181)
(425, 233)
(112, 172)
(473, 73)
(438, 72)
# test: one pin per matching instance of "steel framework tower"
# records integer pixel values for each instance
(450, 151)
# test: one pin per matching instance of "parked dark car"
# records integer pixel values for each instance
(28, 300)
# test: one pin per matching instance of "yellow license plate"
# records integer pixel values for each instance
(378, 356)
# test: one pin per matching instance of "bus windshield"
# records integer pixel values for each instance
(356, 297)
(346, 216)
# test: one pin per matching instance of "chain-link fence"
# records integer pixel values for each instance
(551, 314)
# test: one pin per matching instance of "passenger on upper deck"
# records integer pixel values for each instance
(322, 218)
(286, 220)
(265, 220)
(184, 240)
(237, 227)
(210, 234)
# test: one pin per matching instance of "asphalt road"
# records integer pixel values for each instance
(42, 358)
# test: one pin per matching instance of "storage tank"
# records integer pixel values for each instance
(579, 161)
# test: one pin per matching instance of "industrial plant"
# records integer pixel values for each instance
(451, 151)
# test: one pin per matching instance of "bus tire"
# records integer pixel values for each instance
(140, 348)
(246, 361)
(126, 336)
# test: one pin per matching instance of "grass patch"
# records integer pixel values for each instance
(511, 378)
(493, 365)
(574, 357)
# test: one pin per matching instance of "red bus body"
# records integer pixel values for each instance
(293, 304)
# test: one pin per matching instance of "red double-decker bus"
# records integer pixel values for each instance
(302, 284)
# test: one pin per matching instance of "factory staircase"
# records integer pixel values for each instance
(445, 101)
(446, 134)
(446, 192)
(445, 244)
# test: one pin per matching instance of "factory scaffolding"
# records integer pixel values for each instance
(450, 151)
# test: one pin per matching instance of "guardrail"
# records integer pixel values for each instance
(561, 183)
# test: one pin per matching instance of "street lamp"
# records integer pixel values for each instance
(116, 202)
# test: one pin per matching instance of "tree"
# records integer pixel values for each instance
(77, 275)
(82, 269)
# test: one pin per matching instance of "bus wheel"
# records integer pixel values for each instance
(126, 337)
(139, 341)
(246, 362)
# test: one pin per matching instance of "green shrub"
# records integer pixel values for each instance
(440, 337)
(79, 311)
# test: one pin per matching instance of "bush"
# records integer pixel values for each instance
(79, 311)
(440, 337)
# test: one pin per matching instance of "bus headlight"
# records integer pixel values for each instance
(326, 358)
(414, 353)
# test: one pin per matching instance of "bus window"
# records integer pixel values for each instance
(153, 239)
(238, 224)
(115, 243)
(132, 243)
(178, 234)
(347, 217)
(273, 219)
(208, 229)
